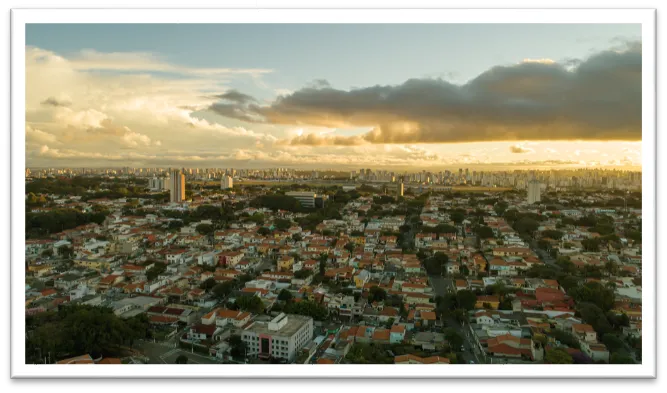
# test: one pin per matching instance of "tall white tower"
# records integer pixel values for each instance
(227, 182)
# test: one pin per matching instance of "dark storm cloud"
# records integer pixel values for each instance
(53, 101)
(598, 98)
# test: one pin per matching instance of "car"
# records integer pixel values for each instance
(472, 362)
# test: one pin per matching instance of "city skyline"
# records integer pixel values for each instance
(347, 96)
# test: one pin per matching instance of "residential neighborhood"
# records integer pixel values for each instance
(360, 273)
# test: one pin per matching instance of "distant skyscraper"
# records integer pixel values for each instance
(533, 191)
(177, 186)
(399, 192)
(227, 182)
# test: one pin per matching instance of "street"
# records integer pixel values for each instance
(440, 287)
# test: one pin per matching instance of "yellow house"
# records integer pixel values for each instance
(360, 240)
(92, 263)
(285, 263)
(493, 301)
(40, 270)
(361, 278)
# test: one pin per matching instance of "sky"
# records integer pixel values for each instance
(401, 96)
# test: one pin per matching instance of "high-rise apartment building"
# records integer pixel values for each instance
(177, 186)
(227, 182)
(533, 191)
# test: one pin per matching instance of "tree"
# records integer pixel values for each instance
(526, 226)
(303, 273)
(182, 359)
(221, 291)
(66, 251)
(251, 304)
(208, 284)
(594, 316)
(457, 217)
(237, 346)
(613, 343)
(323, 263)
(596, 293)
(484, 232)
(500, 207)
(282, 225)
(566, 338)
(297, 237)
(376, 294)
(264, 231)
(155, 271)
(620, 358)
(350, 247)
(204, 229)
(309, 309)
(466, 299)
(558, 356)
(454, 338)
(549, 233)
(285, 295)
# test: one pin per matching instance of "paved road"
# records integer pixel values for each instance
(548, 259)
(440, 287)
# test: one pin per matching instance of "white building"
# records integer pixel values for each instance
(158, 183)
(534, 191)
(281, 338)
(227, 182)
(306, 199)
(177, 186)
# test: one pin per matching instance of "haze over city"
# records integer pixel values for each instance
(334, 96)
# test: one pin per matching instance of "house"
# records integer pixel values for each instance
(508, 345)
(452, 268)
(397, 334)
(584, 332)
(381, 336)
(491, 302)
(428, 318)
(231, 259)
(202, 332)
(596, 351)
(361, 278)
(483, 318)
(285, 263)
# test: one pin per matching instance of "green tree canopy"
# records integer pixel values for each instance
(557, 356)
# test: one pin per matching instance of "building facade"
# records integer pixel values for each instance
(306, 199)
(227, 183)
(533, 191)
(177, 186)
(282, 337)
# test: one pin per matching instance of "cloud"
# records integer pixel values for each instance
(53, 101)
(597, 99)
(91, 60)
(539, 61)
(519, 149)
(35, 136)
(235, 96)
(134, 139)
